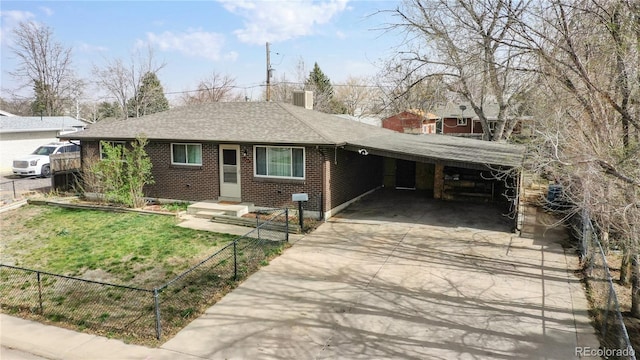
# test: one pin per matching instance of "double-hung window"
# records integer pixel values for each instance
(279, 162)
(186, 154)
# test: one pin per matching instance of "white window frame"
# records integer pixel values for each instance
(304, 162)
(461, 122)
(173, 162)
(123, 143)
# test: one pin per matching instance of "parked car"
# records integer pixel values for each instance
(38, 163)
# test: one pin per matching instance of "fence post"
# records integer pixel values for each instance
(257, 224)
(40, 293)
(286, 224)
(13, 184)
(235, 261)
(157, 308)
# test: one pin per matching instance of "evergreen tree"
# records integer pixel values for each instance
(149, 98)
(39, 104)
(109, 110)
(322, 89)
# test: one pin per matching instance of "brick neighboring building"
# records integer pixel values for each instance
(411, 122)
(452, 118)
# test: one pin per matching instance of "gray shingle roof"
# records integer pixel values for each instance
(264, 122)
(279, 123)
(10, 124)
(445, 147)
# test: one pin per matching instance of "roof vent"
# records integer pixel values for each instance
(303, 99)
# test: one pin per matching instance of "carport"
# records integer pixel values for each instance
(448, 167)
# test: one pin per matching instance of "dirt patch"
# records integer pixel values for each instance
(98, 275)
(15, 232)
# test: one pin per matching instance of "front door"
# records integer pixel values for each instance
(230, 172)
(405, 174)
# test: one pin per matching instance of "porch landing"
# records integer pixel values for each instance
(210, 208)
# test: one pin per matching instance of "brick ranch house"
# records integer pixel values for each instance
(263, 152)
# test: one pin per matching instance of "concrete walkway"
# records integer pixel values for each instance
(391, 277)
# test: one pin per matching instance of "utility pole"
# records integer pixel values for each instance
(268, 74)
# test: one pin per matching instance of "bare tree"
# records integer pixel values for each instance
(123, 80)
(45, 65)
(463, 43)
(282, 89)
(400, 88)
(357, 96)
(589, 71)
(215, 88)
(16, 105)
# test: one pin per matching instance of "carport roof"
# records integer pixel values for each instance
(442, 148)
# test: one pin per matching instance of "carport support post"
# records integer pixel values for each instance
(438, 181)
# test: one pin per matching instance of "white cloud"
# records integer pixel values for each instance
(88, 48)
(275, 21)
(196, 43)
(10, 20)
(47, 11)
(231, 56)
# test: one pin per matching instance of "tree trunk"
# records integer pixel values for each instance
(635, 286)
(625, 267)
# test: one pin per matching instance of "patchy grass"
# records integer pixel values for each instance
(132, 249)
(125, 248)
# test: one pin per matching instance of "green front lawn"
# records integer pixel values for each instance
(122, 248)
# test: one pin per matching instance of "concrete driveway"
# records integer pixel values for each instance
(395, 276)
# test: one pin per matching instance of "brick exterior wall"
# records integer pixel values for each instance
(346, 176)
(271, 192)
(183, 182)
(350, 175)
(405, 122)
(451, 126)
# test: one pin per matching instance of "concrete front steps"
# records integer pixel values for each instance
(231, 213)
(209, 209)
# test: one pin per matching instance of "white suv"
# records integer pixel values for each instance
(38, 163)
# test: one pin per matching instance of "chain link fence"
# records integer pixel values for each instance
(614, 338)
(8, 192)
(140, 313)
(98, 306)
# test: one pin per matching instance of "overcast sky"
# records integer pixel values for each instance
(196, 38)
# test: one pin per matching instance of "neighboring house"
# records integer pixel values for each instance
(21, 135)
(263, 152)
(411, 122)
(459, 118)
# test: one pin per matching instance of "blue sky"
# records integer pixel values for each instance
(197, 38)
